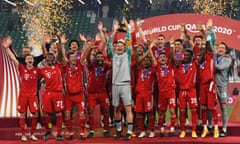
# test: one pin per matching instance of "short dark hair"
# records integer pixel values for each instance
(189, 50)
(29, 55)
(27, 47)
(70, 53)
(97, 53)
(73, 40)
(197, 36)
(50, 54)
(179, 40)
(162, 53)
(161, 35)
(226, 46)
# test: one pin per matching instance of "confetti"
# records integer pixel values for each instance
(44, 15)
(212, 7)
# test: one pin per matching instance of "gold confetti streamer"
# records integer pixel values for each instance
(213, 7)
(51, 15)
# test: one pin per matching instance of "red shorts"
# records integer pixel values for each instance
(98, 98)
(52, 101)
(208, 95)
(144, 102)
(188, 97)
(24, 102)
(75, 100)
(166, 99)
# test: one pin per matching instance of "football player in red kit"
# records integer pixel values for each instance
(166, 96)
(74, 47)
(53, 96)
(187, 71)
(29, 76)
(208, 96)
(144, 96)
(160, 46)
(97, 93)
(73, 72)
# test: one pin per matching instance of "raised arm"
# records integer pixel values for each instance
(46, 39)
(211, 36)
(128, 39)
(224, 65)
(6, 44)
(61, 57)
(85, 43)
(185, 34)
(85, 55)
(154, 61)
(141, 33)
(110, 39)
(102, 36)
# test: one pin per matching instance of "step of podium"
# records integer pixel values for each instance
(14, 133)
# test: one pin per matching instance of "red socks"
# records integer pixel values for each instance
(59, 120)
(82, 123)
(194, 119)
(69, 124)
(22, 125)
(33, 124)
(140, 122)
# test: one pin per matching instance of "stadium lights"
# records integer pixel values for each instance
(11, 3)
(82, 2)
(28, 2)
(99, 2)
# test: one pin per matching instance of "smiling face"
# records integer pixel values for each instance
(221, 49)
(120, 48)
(139, 50)
(50, 59)
(73, 46)
(146, 62)
(29, 60)
(99, 59)
(198, 40)
(162, 59)
(26, 51)
(72, 58)
(160, 41)
(178, 46)
(187, 57)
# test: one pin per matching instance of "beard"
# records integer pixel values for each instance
(146, 66)
(99, 62)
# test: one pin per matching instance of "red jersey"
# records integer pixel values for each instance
(29, 81)
(97, 78)
(187, 75)
(156, 51)
(165, 77)
(145, 79)
(196, 51)
(74, 78)
(133, 71)
(53, 77)
(179, 56)
(206, 69)
(78, 55)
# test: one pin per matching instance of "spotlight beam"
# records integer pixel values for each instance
(11, 3)
(82, 2)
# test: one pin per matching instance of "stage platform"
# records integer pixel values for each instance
(12, 135)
